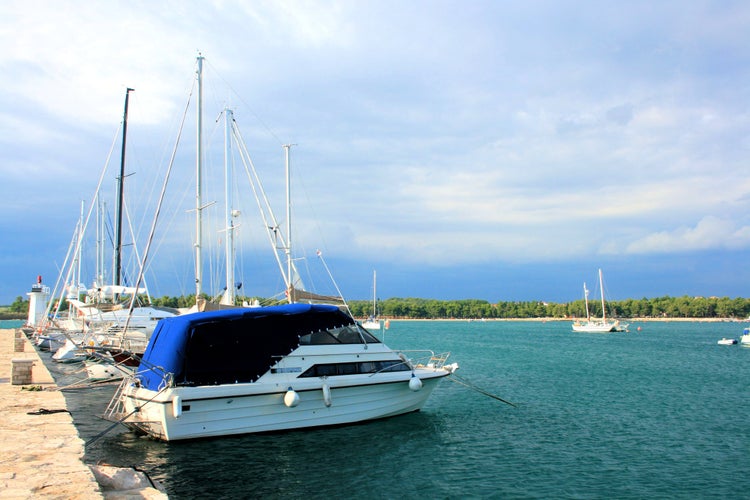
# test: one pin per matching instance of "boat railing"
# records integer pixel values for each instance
(426, 358)
(116, 407)
(115, 410)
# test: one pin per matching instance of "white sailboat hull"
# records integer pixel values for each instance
(52, 341)
(199, 412)
(372, 325)
(594, 327)
(70, 352)
(100, 370)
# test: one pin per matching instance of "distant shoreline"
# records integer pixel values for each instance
(570, 320)
(12, 317)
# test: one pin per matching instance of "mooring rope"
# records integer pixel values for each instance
(455, 378)
(45, 411)
(120, 421)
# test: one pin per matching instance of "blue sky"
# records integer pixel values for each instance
(472, 149)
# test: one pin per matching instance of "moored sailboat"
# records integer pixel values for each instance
(373, 322)
(597, 325)
(111, 319)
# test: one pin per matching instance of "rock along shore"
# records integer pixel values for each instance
(40, 449)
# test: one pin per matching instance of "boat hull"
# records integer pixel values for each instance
(372, 325)
(181, 413)
(726, 341)
(594, 328)
(99, 370)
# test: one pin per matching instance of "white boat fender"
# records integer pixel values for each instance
(177, 406)
(291, 398)
(414, 383)
(326, 394)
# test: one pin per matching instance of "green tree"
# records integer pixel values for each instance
(19, 305)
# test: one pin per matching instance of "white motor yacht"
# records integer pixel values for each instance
(247, 370)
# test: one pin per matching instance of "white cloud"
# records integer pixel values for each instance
(306, 24)
(709, 233)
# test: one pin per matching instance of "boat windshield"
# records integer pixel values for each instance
(346, 334)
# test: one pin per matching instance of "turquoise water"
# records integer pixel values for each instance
(11, 323)
(660, 413)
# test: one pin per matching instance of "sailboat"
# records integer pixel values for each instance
(99, 322)
(257, 369)
(597, 325)
(103, 307)
(373, 323)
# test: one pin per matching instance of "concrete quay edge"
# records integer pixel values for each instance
(42, 453)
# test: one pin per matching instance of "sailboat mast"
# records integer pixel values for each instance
(374, 294)
(100, 240)
(601, 287)
(198, 184)
(80, 249)
(586, 299)
(120, 182)
(288, 249)
(229, 293)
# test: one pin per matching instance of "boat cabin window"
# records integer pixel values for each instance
(334, 369)
(346, 334)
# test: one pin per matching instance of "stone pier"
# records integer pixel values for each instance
(41, 453)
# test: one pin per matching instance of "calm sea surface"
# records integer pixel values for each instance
(657, 413)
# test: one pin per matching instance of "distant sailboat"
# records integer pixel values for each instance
(596, 325)
(373, 323)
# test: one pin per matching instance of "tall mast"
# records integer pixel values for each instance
(288, 249)
(198, 184)
(80, 250)
(229, 293)
(601, 287)
(99, 240)
(586, 299)
(120, 181)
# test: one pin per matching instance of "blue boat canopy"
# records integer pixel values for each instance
(239, 345)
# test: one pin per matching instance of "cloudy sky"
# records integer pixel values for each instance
(463, 149)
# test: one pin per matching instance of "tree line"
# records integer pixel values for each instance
(661, 307)
(415, 308)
